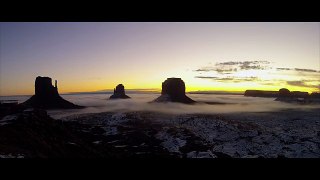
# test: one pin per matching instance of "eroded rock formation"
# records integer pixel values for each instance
(47, 96)
(119, 93)
(173, 90)
(285, 95)
(261, 93)
(281, 93)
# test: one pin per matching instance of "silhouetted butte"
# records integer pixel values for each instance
(119, 93)
(173, 90)
(47, 96)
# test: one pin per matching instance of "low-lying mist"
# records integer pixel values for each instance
(96, 103)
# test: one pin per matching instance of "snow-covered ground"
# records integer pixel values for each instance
(238, 127)
(290, 133)
(8, 119)
(11, 156)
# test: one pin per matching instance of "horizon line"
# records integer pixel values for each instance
(152, 90)
(139, 90)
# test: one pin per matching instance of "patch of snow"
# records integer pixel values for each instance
(72, 143)
(110, 130)
(250, 156)
(172, 144)
(11, 156)
(96, 142)
(294, 133)
(120, 146)
(207, 154)
(7, 119)
(111, 142)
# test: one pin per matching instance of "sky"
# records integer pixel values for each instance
(208, 56)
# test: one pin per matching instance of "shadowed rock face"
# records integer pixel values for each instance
(278, 94)
(47, 96)
(284, 92)
(315, 95)
(260, 93)
(173, 90)
(285, 95)
(43, 87)
(119, 93)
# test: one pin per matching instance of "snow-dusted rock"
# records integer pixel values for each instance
(207, 154)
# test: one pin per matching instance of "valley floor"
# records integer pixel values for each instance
(291, 133)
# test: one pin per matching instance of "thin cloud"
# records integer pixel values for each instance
(231, 63)
(283, 69)
(215, 78)
(234, 66)
(206, 77)
(225, 79)
(242, 62)
(297, 69)
(203, 70)
(247, 65)
(233, 71)
(305, 70)
(217, 69)
(225, 71)
(301, 84)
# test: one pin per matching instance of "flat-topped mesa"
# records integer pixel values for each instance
(119, 93)
(261, 93)
(47, 96)
(283, 92)
(285, 95)
(173, 90)
(315, 95)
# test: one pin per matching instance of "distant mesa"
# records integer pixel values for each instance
(173, 90)
(285, 95)
(283, 92)
(47, 96)
(119, 93)
(315, 95)
(295, 96)
(261, 93)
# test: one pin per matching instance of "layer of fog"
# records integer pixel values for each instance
(96, 103)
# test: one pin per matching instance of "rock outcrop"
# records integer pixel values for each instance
(285, 95)
(283, 92)
(173, 90)
(119, 93)
(261, 93)
(299, 94)
(314, 98)
(315, 95)
(47, 96)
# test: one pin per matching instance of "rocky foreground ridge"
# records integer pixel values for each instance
(32, 133)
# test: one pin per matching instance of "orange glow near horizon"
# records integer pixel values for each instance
(74, 87)
(88, 57)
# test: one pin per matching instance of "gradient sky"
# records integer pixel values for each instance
(207, 56)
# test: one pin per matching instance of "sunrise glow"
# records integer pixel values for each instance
(87, 57)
